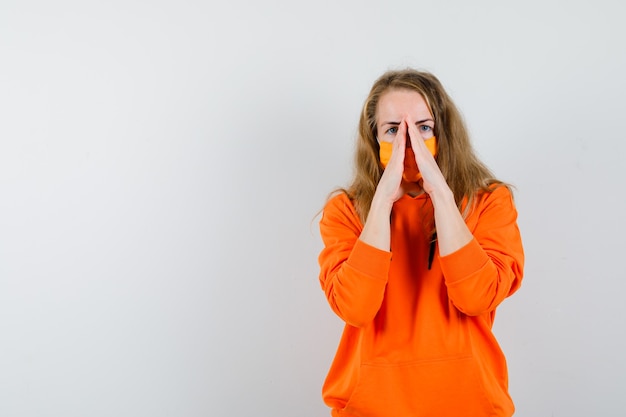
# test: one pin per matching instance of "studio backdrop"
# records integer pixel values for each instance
(163, 164)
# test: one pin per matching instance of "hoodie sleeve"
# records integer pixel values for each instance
(353, 274)
(480, 275)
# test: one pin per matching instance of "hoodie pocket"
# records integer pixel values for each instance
(441, 388)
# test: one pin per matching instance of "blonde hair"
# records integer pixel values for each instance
(465, 174)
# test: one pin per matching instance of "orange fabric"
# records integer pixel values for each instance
(418, 342)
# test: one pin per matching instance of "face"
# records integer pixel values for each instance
(396, 105)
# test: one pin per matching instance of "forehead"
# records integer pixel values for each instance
(398, 103)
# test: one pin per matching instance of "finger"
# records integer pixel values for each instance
(400, 139)
(399, 145)
(417, 142)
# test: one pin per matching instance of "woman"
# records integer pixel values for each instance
(418, 253)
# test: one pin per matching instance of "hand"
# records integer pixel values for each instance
(432, 178)
(390, 187)
(377, 230)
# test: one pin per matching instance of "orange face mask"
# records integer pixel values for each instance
(411, 172)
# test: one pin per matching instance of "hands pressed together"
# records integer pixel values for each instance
(452, 231)
(391, 187)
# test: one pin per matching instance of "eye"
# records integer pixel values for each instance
(425, 128)
(392, 130)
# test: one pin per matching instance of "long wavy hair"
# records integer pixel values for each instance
(465, 174)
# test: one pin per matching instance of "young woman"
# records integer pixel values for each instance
(418, 252)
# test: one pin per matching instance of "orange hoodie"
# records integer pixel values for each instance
(418, 341)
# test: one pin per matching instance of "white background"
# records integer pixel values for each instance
(162, 164)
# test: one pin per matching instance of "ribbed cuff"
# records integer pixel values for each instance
(464, 262)
(370, 260)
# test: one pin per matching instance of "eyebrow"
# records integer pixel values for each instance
(417, 122)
